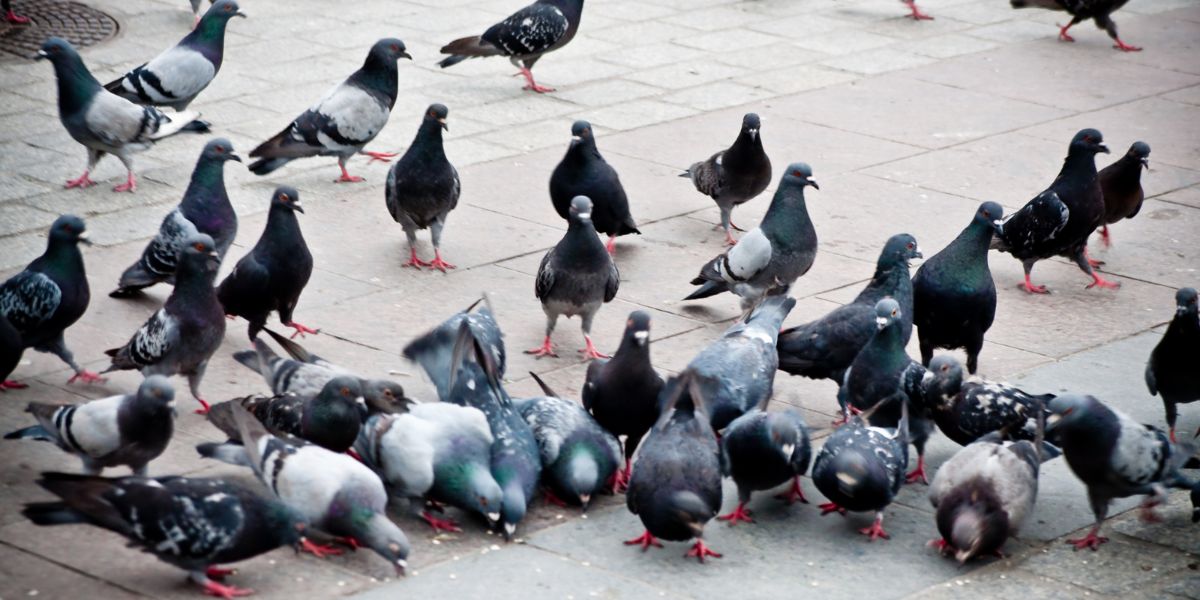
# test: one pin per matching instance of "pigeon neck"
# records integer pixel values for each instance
(428, 141)
(1185, 328)
(746, 150)
(1082, 161)
(283, 230)
(787, 217)
(886, 347)
(63, 258)
(208, 38)
(631, 353)
(193, 280)
(968, 252)
(1127, 173)
(571, 9)
(888, 273)
(378, 75)
(206, 191)
(76, 85)
(582, 152)
(582, 241)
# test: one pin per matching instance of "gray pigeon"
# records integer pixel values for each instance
(331, 419)
(1171, 371)
(772, 256)
(187, 330)
(423, 187)
(736, 175)
(761, 450)
(103, 122)
(120, 430)
(434, 351)
(576, 276)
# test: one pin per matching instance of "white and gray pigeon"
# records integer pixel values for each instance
(433, 351)
(772, 256)
(344, 120)
(423, 187)
(736, 175)
(576, 276)
(103, 122)
(181, 336)
(119, 430)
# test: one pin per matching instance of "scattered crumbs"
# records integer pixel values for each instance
(341, 584)
(416, 573)
(455, 557)
(483, 550)
(494, 547)
(586, 563)
(33, 592)
(437, 542)
(453, 576)
(1002, 576)
(583, 516)
(537, 569)
(271, 562)
(958, 582)
(558, 516)
(374, 280)
(810, 563)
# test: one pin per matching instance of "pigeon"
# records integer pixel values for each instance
(439, 451)
(196, 4)
(119, 430)
(915, 12)
(11, 350)
(824, 349)
(861, 468)
(344, 120)
(1115, 457)
(205, 208)
(175, 77)
(182, 335)
(1059, 220)
(675, 488)
(434, 351)
(1081, 10)
(584, 172)
(218, 521)
(1196, 503)
(526, 35)
(46, 298)
(103, 122)
(967, 411)
(1171, 371)
(772, 256)
(576, 276)
(736, 373)
(423, 187)
(1122, 186)
(272, 275)
(331, 419)
(11, 16)
(761, 450)
(954, 297)
(621, 393)
(579, 457)
(736, 175)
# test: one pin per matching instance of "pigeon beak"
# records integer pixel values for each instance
(962, 556)
(586, 216)
(83, 237)
(1102, 148)
(235, 157)
(1146, 163)
(1181, 309)
(509, 530)
(998, 225)
(576, 138)
(1052, 421)
(404, 54)
(400, 565)
(240, 14)
(642, 337)
(492, 517)
(881, 322)
(296, 207)
(41, 54)
(812, 183)
(584, 499)
(788, 449)
(917, 253)
(442, 122)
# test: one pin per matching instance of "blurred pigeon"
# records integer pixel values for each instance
(968, 410)
(1116, 457)
(46, 298)
(1122, 186)
(196, 4)
(583, 172)
(736, 175)
(761, 450)
(205, 208)
(434, 351)
(772, 256)
(824, 349)
(103, 122)
(11, 350)
(526, 35)
(119, 430)
(175, 77)
(1196, 503)
(576, 276)
(217, 521)
(273, 274)
(1082, 10)
(954, 297)
(344, 120)
(676, 485)
(1059, 220)
(423, 187)
(11, 16)
(187, 330)
(622, 392)
(1171, 371)
(331, 419)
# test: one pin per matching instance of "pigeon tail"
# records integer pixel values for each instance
(33, 432)
(249, 359)
(264, 166)
(52, 513)
(464, 48)
(708, 288)
(177, 122)
(227, 452)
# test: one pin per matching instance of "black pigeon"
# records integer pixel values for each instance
(761, 450)
(434, 351)
(576, 276)
(331, 419)
(954, 297)
(1171, 372)
(1115, 457)
(526, 35)
(423, 187)
(344, 120)
(736, 175)
(772, 256)
(622, 392)
(187, 330)
(1082, 10)
(191, 523)
(1122, 186)
(272, 275)
(675, 488)
(205, 208)
(968, 410)
(11, 16)
(1059, 220)
(824, 349)
(175, 77)
(11, 350)
(46, 298)
(120, 430)
(583, 172)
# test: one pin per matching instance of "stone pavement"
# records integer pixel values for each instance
(908, 127)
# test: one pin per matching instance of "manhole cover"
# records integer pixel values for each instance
(77, 23)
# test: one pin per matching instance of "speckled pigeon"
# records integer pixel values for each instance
(968, 410)
(434, 351)
(1171, 371)
(11, 350)
(1082, 10)
(735, 175)
(761, 450)
(1121, 183)
(331, 419)
(423, 187)
(584, 172)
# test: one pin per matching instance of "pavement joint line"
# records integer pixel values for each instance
(72, 569)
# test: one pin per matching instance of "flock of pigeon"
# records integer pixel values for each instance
(333, 447)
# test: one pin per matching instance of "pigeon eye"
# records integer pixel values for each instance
(283, 198)
(910, 246)
(893, 313)
(395, 48)
(219, 150)
(797, 174)
(199, 246)
(346, 391)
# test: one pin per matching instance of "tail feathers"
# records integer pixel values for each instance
(464, 48)
(687, 174)
(706, 289)
(176, 122)
(198, 126)
(293, 349)
(226, 452)
(249, 359)
(264, 166)
(1048, 4)
(135, 278)
(33, 432)
(52, 513)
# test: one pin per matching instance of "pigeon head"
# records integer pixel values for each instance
(751, 124)
(1140, 151)
(1090, 141)
(219, 150)
(286, 198)
(799, 174)
(978, 524)
(199, 255)
(286, 522)
(637, 328)
(338, 403)
(59, 52)
(380, 534)
(581, 474)
(512, 508)
(155, 395)
(480, 493)
(947, 381)
(990, 215)
(581, 209)
(68, 230)
(76, 85)
(887, 311)
(1185, 301)
(384, 396)
(898, 250)
(692, 511)
(580, 131)
(783, 434)
(388, 50)
(1070, 411)
(221, 11)
(438, 113)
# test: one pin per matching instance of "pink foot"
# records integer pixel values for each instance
(83, 181)
(204, 407)
(440, 264)
(699, 551)
(916, 13)
(350, 542)
(590, 352)
(842, 420)
(1103, 283)
(218, 573)
(729, 240)
(1063, 36)
(875, 531)
(319, 550)
(1106, 237)
(941, 545)
(553, 498)
(831, 507)
(440, 524)
(9, 384)
(86, 376)
(1091, 540)
(611, 246)
(546, 349)
(645, 541)
(380, 156)
(347, 177)
(130, 184)
(621, 479)
(1033, 289)
(220, 590)
(739, 514)
(918, 474)
(794, 493)
(1123, 47)
(16, 19)
(415, 262)
(301, 329)
(532, 85)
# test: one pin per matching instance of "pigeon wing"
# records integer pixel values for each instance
(747, 259)
(29, 299)
(531, 30)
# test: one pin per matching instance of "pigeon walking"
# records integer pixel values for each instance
(103, 122)
(954, 296)
(524, 37)
(761, 450)
(331, 419)
(1121, 183)
(46, 298)
(11, 16)
(11, 350)
(187, 330)
(120, 430)
(1171, 371)
(434, 351)
(576, 276)
(967, 411)
(584, 172)
(1099, 11)
(735, 175)
(423, 187)
(344, 120)
(205, 208)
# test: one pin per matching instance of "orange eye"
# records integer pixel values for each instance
(894, 313)
(987, 213)
(797, 174)
(199, 246)
(219, 150)
(910, 246)
(395, 48)
(346, 391)
(283, 198)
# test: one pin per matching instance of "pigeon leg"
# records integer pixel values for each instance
(531, 84)
(1029, 287)
(346, 176)
(350, 542)
(85, 376)
(916, 13)
(941, 545)
(435, 231)
(440, 524)
(590, 351)
(58, 347)
(83, 181)
(727, 223)
(546, 349)
(204, 407)
(15, 19)
(9, 384)
(645, 541)
(1063, 36)
(1123, 47)
(611, 246)
(300, 329)
(918, 474)
(552, 498)
(319, 550)
(845, 418)
(413, 261)
(831, 507)
(875, 531)
(1091, 261)
(438, 263)
(219, 590)
(1111, 28)
(739, 514)
(379, 156)
(794, 493)
(217, 572)
(130, 184)
(1106, 237)
(699, 551)
(1081, 259)
(1091, 540)
(621, 478)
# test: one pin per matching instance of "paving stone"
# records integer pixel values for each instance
(1123, 566)
(878, 61)
(636, 114)
(719, 94)
(845, 41)
(950, 45)
(797, 79)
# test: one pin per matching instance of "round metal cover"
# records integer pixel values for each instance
(77, 23)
